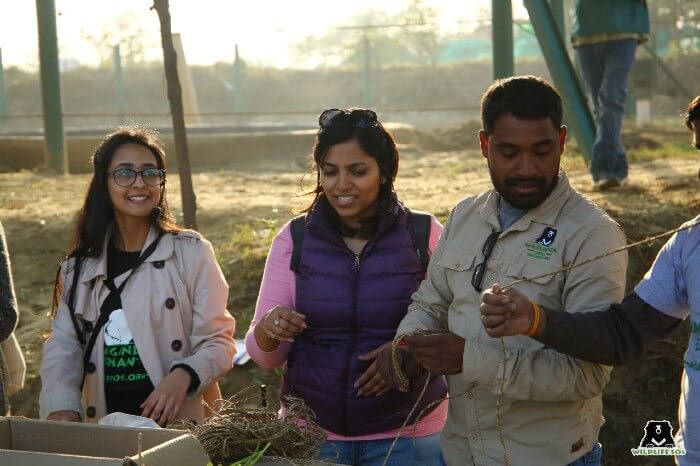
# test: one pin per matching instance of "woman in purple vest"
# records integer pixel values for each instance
(326, 319)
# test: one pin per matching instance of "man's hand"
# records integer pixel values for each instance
(371, 382)
(506, 313)
(439, 353)
(64, 415)
(165, 401)
(406, 363)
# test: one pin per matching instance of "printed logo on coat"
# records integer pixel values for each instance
(542, 247)
(658, 441)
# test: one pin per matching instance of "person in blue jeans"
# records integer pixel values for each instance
(605, 35)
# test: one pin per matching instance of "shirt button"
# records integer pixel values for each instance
(473, 437)
(457, 265)
(470, 395)
(491, 276)
(176, 345)
(90, 412)
(159, 264)
(88, 327)
(90, 368)
(170, 303)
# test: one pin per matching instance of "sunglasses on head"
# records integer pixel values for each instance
(358, 117)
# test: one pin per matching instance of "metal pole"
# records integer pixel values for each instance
(54, 144)
(237, 82)
(558, 12)
(563, 74)
(119, 92)
(3, 96)
(367, 72)
(502, 37)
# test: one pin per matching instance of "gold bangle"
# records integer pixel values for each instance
(535, 321)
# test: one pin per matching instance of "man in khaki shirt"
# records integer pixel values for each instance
(531, 223)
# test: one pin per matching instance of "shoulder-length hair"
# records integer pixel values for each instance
(97, 212)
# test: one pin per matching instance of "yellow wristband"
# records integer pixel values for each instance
(535, 321)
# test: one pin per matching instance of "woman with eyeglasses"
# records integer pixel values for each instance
(140, 324)
(331, 300)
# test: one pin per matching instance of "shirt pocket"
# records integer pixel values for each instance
(457, 261)
(459, 267)
(544, 281)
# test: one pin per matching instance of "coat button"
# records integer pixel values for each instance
(159, 264)
(170, 303)
(470, 395)
(176, 345)
(88, 327)
(90, 368)
(90, 412)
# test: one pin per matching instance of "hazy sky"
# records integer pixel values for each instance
(209, 28)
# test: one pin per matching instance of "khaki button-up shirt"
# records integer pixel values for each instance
(175, 306)
(551, 409)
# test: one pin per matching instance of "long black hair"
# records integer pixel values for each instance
(373, 138)
(97, 213)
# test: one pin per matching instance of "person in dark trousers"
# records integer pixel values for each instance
(11, 361)
(668, 294)
(605, 35)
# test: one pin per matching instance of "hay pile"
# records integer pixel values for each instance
(237, 431)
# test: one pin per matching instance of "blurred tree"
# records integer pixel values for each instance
(421, 40)
(189, 201)
(409, 37)
(676, 24)
(128, 29)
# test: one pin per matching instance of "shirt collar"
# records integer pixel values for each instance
(95, 267)
(545, 213)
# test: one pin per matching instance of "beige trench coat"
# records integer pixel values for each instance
(552, 410)
(175, 306)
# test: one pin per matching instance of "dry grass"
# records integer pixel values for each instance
(240, 212)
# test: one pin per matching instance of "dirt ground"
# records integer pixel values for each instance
(240, 211)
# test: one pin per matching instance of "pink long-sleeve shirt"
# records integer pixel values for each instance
(278, 288)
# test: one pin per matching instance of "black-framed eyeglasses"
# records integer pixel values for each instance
(358, 117)
(126, 177)
(480, 269)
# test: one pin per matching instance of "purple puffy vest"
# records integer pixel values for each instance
(352, 306)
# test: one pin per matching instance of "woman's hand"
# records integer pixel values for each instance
(371, 382)
(281, 323)
(165, 401)
(64, 416)
(506, 313)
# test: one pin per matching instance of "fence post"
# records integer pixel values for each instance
(119, 93)
(3, 96)
(502, 38)
(54, 144)
(367, 72)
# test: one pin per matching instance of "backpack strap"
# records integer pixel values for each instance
(421, 235)
(297, 228)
